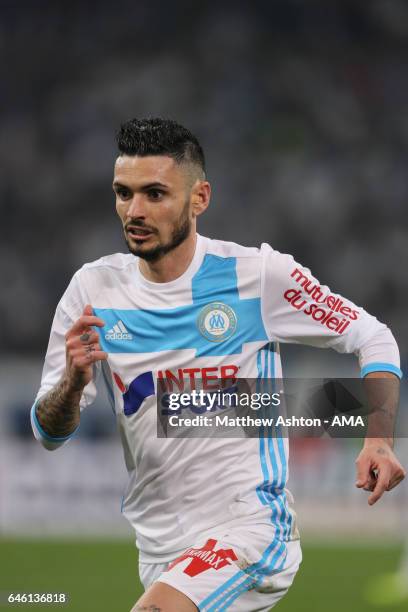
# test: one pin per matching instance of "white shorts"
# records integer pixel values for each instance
(236, 570)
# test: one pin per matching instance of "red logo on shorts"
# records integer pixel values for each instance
(205, 558)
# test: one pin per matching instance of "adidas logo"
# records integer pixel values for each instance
(118, 332)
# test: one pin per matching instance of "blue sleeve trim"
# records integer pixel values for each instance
(43, 434)
(380, 367)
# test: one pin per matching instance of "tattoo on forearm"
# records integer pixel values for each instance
(58, 411)
(381, 451)
(151, 608)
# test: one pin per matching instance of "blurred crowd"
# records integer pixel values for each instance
(301, 108)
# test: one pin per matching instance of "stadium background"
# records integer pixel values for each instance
(301, 109)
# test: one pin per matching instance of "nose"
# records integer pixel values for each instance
(136, 209)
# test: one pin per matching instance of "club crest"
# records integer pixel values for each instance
(217, 322)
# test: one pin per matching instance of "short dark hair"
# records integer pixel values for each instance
(156, 136)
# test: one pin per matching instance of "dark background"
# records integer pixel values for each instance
(301, 108)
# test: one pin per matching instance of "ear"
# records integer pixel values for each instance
(200, 197)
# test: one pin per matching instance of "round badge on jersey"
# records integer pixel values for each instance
(217, 322)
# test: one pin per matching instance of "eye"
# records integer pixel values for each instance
(155, 194)
(123, 193)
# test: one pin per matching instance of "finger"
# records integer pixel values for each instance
(87, 338)
(97, 356)
(74, 343)
(79, 357)
(396, 478)
(395, 482)
(91, 357)
(85, 323)
(92, 348)
(383, 481)
(371, 482)
(88, 310)
(363, 467)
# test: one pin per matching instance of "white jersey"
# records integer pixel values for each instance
(179, 488)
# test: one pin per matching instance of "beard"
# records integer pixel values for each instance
(179, 234)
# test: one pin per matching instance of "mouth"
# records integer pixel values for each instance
(138, 233)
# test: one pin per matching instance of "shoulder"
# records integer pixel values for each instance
(105, 273)
(248, 256)
(116, 261)
(265, 263)
(114, 265)
(223, 248)
(247, 264)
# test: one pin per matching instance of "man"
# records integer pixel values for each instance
(213, 520)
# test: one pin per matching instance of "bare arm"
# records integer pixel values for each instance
(58, 410)
(378, 469)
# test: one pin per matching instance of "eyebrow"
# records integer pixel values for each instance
(154, 185)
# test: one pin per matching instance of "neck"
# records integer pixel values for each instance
(173, 264)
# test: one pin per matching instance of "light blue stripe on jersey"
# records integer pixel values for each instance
(252, 576)
(259, 489)
(156, 330)
(380, 367)
(227, 593)
(270, 493)
(279, 492)
(230, 597)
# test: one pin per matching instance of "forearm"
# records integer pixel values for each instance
(58, 411)
(378, 469)
(382, 390)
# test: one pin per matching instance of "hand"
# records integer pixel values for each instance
(83, 349)
(378, 469)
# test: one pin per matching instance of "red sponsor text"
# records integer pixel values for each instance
(205, 558)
